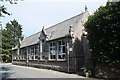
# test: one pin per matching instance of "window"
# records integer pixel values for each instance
(29, 57)
(32, 53)
(25, 54)
(20, 54)
(52, 50)
(42, 49)
(36, 52)
(61, 49)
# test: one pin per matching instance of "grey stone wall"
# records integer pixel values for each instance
(102, 70)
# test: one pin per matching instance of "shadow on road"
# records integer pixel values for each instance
(6, 75)
(6, 72)
(5, 68)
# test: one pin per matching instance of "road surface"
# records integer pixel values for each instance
(9, 71)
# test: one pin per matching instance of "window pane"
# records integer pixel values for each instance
(43, 41)
(60, 50)
(32, 57)
(43, 57)
(61, 56)
(53, 44)
(35, 46)
(50, 44)
(63, 49)
(52, 56)
(59, 42)
(52, 50)
(36, 57)
(63, 42)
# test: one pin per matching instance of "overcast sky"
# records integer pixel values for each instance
(34, 14)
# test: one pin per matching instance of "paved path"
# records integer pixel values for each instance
(14, 71)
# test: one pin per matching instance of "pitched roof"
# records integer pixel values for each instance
(62, 29)
(31, 40)
(56, 31)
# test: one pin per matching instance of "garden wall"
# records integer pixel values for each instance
(102, 70)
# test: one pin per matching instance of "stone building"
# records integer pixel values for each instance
(61, 47)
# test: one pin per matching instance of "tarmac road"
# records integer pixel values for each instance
(9, 71)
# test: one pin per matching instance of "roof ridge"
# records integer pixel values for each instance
(65, 20)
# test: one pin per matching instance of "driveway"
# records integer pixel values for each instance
(9, 71)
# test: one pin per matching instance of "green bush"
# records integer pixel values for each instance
(6, 55)
(103, 29)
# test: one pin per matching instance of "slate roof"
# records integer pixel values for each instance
(56, 31)
(31, 40)
(62, 29)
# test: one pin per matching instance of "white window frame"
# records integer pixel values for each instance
(62, 49)
(36, 52)
(41, 49)
(31, 53)
(21, 54)
(25, 54)
(53, 47)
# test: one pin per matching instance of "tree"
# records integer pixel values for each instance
(10, 38)
(0, 43)
(103, 29)
(3, 8)
(11, 1)
(12, 33)
(3, 11)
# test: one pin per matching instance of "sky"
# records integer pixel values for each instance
(34, 14)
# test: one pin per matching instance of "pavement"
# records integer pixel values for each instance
(9, 71)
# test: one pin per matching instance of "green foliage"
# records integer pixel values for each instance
(11, 34)
(10, 38)
(11, 1)
(103, 29)
(6, 57)
(0, 38)
(3, 11)
(85, 69)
